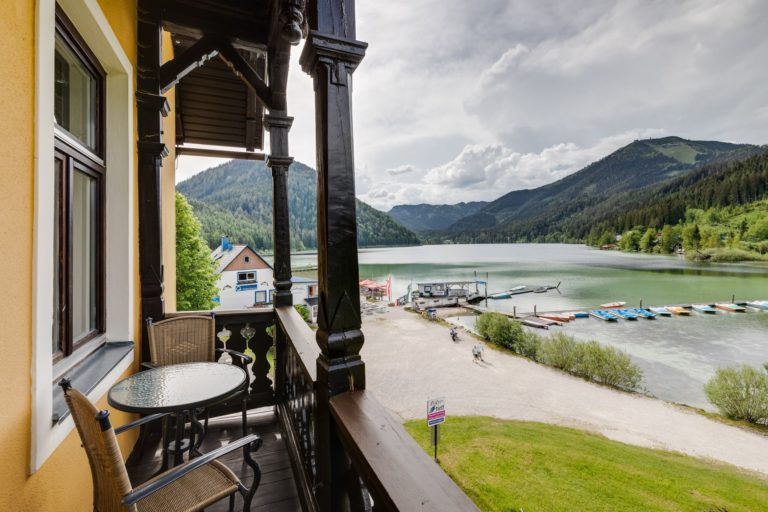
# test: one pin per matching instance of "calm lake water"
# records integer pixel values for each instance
(678, 354)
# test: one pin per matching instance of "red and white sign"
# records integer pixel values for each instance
(435, 411)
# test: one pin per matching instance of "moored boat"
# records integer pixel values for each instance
(678, 310)
(557, 317)
(626, 314)
(579, 314)
(610, 305)
(704, 308)
(758, 304)
(661, 311)
(603, 315)
(643, 313)
(733, 308)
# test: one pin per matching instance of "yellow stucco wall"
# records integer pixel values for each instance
(169, 190)
(64, 481)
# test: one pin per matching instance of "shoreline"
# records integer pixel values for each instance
(410, 359)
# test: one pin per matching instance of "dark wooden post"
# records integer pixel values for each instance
(279, 125)
(330, 56)
(152, 106)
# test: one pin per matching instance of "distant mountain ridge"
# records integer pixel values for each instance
(535, 214)
(235, 199)
(421, 218)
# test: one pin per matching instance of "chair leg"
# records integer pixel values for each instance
(232, 502)
(248, 496)
(245, 414)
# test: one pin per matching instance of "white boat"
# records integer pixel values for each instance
(704, 308)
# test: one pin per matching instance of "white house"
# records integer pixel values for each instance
(246, 280)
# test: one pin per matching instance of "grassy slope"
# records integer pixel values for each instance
(513, 465)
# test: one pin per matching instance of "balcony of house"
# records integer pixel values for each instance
(345, 451)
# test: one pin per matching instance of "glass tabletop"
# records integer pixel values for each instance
(176, 387)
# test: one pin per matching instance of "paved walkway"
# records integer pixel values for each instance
(409, 360)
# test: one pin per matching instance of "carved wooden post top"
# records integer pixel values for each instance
(330, 48)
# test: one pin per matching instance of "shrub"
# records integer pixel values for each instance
(606, 365)
(740, 393)
(558, 350)
(304, 312)
(590, 360)
(498, 329)
(528, 346)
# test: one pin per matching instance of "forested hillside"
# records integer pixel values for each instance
(719, 211)
(421, 218)
(563, 210)
(235, 199)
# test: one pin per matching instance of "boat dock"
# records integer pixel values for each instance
(536, 319)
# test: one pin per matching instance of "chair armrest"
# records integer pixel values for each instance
(245, 358)
(147, 365)
(140, 421)
(174, 474)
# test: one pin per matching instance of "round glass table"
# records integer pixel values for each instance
(178, 389)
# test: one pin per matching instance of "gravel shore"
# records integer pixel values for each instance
(409, 360)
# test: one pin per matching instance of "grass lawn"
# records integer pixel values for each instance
(515, 465)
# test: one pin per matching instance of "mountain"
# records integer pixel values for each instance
(421, 218)
(235, 199)
(538, 214)
(717, 190)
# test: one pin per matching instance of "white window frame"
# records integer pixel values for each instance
(93, 27)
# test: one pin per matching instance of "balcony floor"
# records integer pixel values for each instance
(277, 491)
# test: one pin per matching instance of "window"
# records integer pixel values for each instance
(247, 259)
(261, 297)
(312, 290)
(246, 277)
(79, 177)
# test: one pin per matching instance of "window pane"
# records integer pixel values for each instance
(83, 254)
(74, 95)
(58, 168)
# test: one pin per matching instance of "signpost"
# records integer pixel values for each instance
(435, 416)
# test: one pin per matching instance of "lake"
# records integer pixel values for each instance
(678, 354)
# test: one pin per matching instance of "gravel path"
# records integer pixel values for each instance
(409, 360)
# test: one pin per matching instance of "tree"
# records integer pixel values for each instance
(647, 241)
(691, 237)
(630, 241)
(195, 271)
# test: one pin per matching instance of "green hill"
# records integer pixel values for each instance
(235, 199)
(540, 214)
(421, 218)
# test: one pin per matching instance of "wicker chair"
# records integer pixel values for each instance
(192, 339)
(189, 487)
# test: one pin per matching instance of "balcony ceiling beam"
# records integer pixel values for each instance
(192, 58)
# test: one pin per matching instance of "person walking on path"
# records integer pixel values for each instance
(477, 353)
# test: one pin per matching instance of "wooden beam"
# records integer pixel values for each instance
(246, 73)
(188, 20)
(219, 153)
(192, 58)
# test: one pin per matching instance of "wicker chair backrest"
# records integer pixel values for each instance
(110, 478)
(187, 339)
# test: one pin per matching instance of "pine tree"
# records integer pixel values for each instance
(195, 272)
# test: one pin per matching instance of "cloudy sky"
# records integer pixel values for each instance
(462, 100)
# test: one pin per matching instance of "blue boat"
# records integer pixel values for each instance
(626, 314)
(579, 314)
(661, 311)
(704, 308)
(603, 315)
(643, 313)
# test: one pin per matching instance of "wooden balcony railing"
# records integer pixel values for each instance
(247, 331)
(388, 471)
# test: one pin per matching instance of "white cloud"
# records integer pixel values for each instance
(487, 171)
